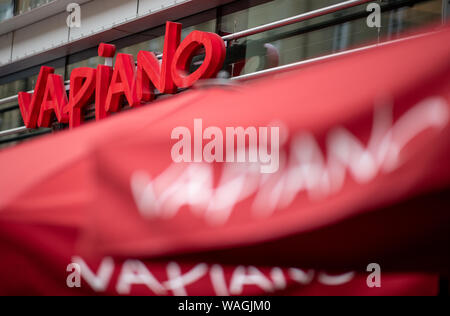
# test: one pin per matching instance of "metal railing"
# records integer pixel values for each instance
(295, 19)
(256, 30)
(13, 131)
(295, 65)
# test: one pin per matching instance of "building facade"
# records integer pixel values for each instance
(34, 33)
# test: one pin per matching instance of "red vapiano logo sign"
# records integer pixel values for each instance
(108, 86)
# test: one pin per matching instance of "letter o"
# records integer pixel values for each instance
(214, 57)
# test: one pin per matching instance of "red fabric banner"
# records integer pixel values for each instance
(362, 176)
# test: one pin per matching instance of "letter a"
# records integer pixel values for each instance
(121, 83)
(55, 101)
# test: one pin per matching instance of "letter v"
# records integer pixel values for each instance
(30, 104)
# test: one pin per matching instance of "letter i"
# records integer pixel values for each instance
(104, 75)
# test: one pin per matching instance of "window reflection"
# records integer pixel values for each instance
(153, 40)
(23, 6)
(9, 8)
(91, 62)
(316, 37)
(6, 9)
(312, 38)
(9, 114)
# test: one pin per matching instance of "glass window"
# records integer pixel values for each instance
(153, 40)
(9, 113)
(32, 80)
(9, 8)
(23, 6)
(150, 40)
(312, 38)
(316, 37)
(6, 9)
(90, 62)
(446, 10)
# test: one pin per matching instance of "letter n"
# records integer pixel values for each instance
(150, 74)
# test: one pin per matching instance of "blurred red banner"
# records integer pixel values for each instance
(362, 177)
